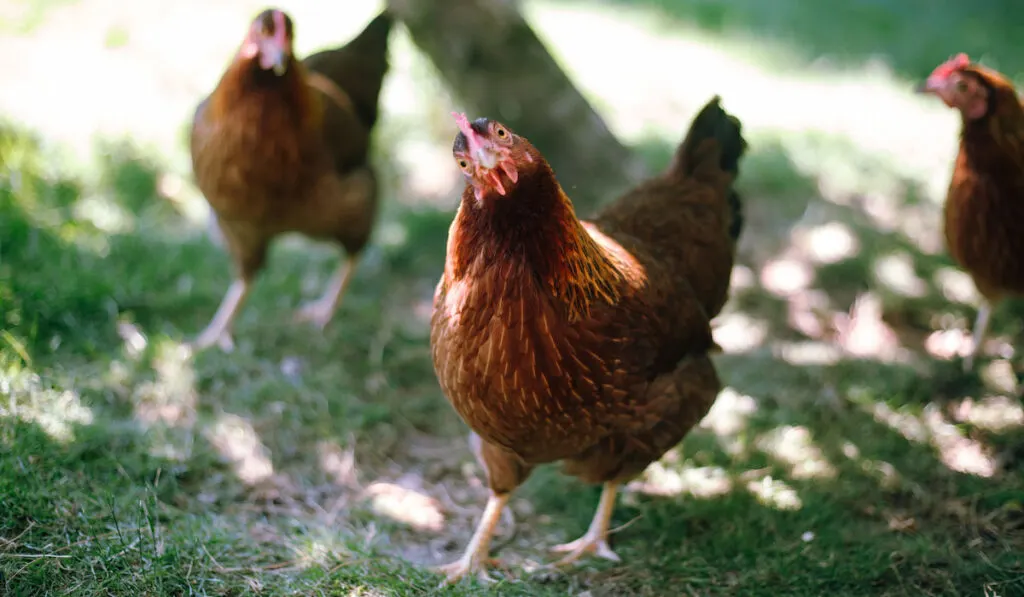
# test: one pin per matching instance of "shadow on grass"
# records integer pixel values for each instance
(94, 512)
(911, 36)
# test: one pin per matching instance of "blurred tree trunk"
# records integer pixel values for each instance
(494, 62)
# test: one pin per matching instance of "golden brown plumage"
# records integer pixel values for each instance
(585, 342)
(984, 209)
(281, 145)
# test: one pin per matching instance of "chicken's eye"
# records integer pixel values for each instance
(463, 164)
(501, 133)
(961, 86)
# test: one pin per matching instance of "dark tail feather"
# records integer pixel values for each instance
(371, 46)
(359, 66)
(694, 156)
(736, 209)
(373, 41)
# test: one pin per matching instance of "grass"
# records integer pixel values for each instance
(848, 455)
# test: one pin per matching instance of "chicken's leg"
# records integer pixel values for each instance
(320, 311)
(475, 559)
(219, 329)
(595, 540)
(980, 328)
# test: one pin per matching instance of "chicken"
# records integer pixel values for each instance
(582, 342)
(282, 145)
(984, 210)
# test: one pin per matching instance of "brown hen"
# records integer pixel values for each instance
(582, 342)
(281, 145)
(984, 210)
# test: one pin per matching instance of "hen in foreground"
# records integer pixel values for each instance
(281, 145)
(582, 342)
(984, 211)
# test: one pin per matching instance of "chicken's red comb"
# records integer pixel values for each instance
(952, 65)
(280, 30)
(463, 123)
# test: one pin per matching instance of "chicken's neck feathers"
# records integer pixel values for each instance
(244, 89)
(999, 134)
(533, 233)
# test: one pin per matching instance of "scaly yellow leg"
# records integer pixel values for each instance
(595, 540)
(475, 559)
(320, 311)
(980, 328)
(219, 329)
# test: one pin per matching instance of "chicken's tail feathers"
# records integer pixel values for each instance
(696, 158)
(371, 48)
(359, 66)
(712, 122)
(374, 37)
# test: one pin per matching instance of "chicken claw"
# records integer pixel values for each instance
(219, 329)
(475, 559)
(595, 540)
(224, 341)
(321, 311)
(318, 313)
(462, 568)
(980, 328)
(584, 545)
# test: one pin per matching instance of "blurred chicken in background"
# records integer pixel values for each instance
(984, 211)
(282, 145)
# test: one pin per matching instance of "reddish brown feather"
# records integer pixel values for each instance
(569, 262)
(269, 136)
(984, 209)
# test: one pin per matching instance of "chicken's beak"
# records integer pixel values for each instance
(930, 85)
(489, 159)
(274, 57)
(484, 156)
(481, 149)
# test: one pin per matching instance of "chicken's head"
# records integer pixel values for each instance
(957, 84)
(269, 41)
(490, 155)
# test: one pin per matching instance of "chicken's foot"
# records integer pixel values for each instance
(475, 559)
(595, 540)
(219, 329)
(320, 311)
(980, 328)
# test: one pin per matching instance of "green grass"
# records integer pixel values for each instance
(129, 468)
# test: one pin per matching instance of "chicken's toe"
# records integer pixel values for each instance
(321, 311)
(595, 540)
(226, 343)
(475, 559)
(223, 340)
(466, 566)
(586, 544)
(318, 313)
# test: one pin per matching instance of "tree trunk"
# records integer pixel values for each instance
(494, 63)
